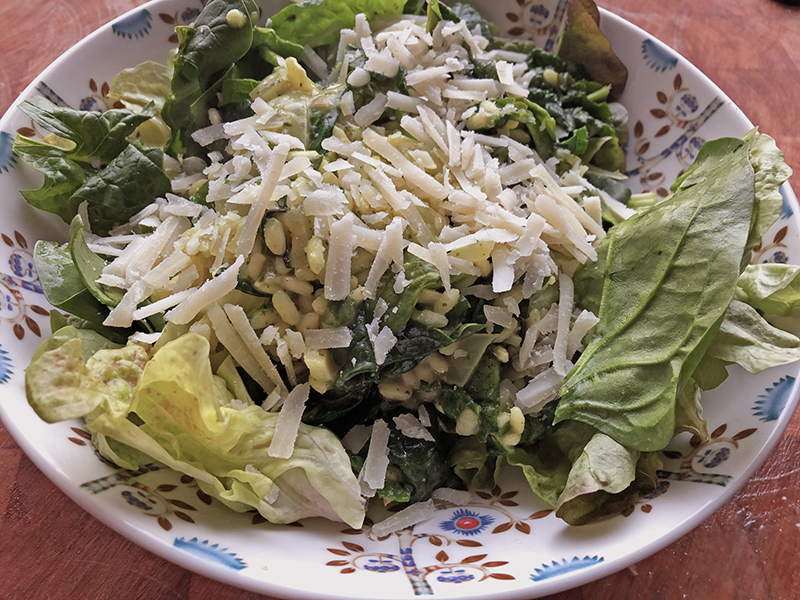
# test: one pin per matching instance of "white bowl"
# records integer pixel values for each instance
(503, 544)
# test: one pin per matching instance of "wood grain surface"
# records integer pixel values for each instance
(749, 549)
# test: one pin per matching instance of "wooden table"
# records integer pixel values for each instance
(750, 549)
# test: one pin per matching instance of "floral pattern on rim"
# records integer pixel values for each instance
(701, 456)
(771, 403)
(772, 251)
(212, 552)
(538, 20)
(555, 568)
(134, 26)
(469, 520)
(678, 109)
(14, 308)
(179, 17)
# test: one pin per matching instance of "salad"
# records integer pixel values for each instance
(373, 251)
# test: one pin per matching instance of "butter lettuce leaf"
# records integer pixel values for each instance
(771, 288)
(178, 412)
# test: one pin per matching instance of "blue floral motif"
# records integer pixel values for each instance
(89, 103)
(565, 566)
(7, 157)
(378, 566)
(786, 211)
(139, 500)
(772, 402)
(211, 552)
(778, 257)
(136, 25)
(658, 57)
(49, 93)
(455, 576)
(711, 458)
(5, 366)
(466, 522)
(661, 488)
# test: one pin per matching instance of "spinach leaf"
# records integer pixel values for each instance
(131, 181)
(90, 266)
(667, 276)
(318, 22)
(207, 52)
(94, 135)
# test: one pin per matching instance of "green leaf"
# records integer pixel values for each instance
(133, 180)
(676, 263)
(208, 50)
(438, 11)
(90, 266)
(318, 22)
(746, 338)
(95, 135)
(771, 288)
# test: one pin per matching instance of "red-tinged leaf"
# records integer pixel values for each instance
(39, 310)
(503, 576)
(662, 192)
(468, 543)
(655, 176)
(695, 441)
(541, 514)
(23, 243)
(638, 129)
(435, 540)
(744, 433)
(92, 85)
(168, 19)
(173, 39)
(677, 83)
(628, 511)
(205, 498)
(186, 479)
(442, 556)
(509, 494)
(353, 547)
(508, 503)
(646, 508)
(658, 113)
(182, 504)
(780, 235)
(502, 527)
(516, 31)
(719, 431)
(643, 148)
(165, 524)
(33, 326)
(351, 531)
(337, 563)
(84, 434)
(512, 17)
(522, 527)
(26, 132)
(663, 131)
(338, 551)
(19, 331)
(494, 563)
(484, 495)
(166, 487)
(184, 516)
(672, 454)
(77, 441)
(476, 558)
(661, 97)
(347, 571)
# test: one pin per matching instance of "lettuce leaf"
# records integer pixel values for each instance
(771, 288)
(318, 22)
(173, 409)
(675, 263)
